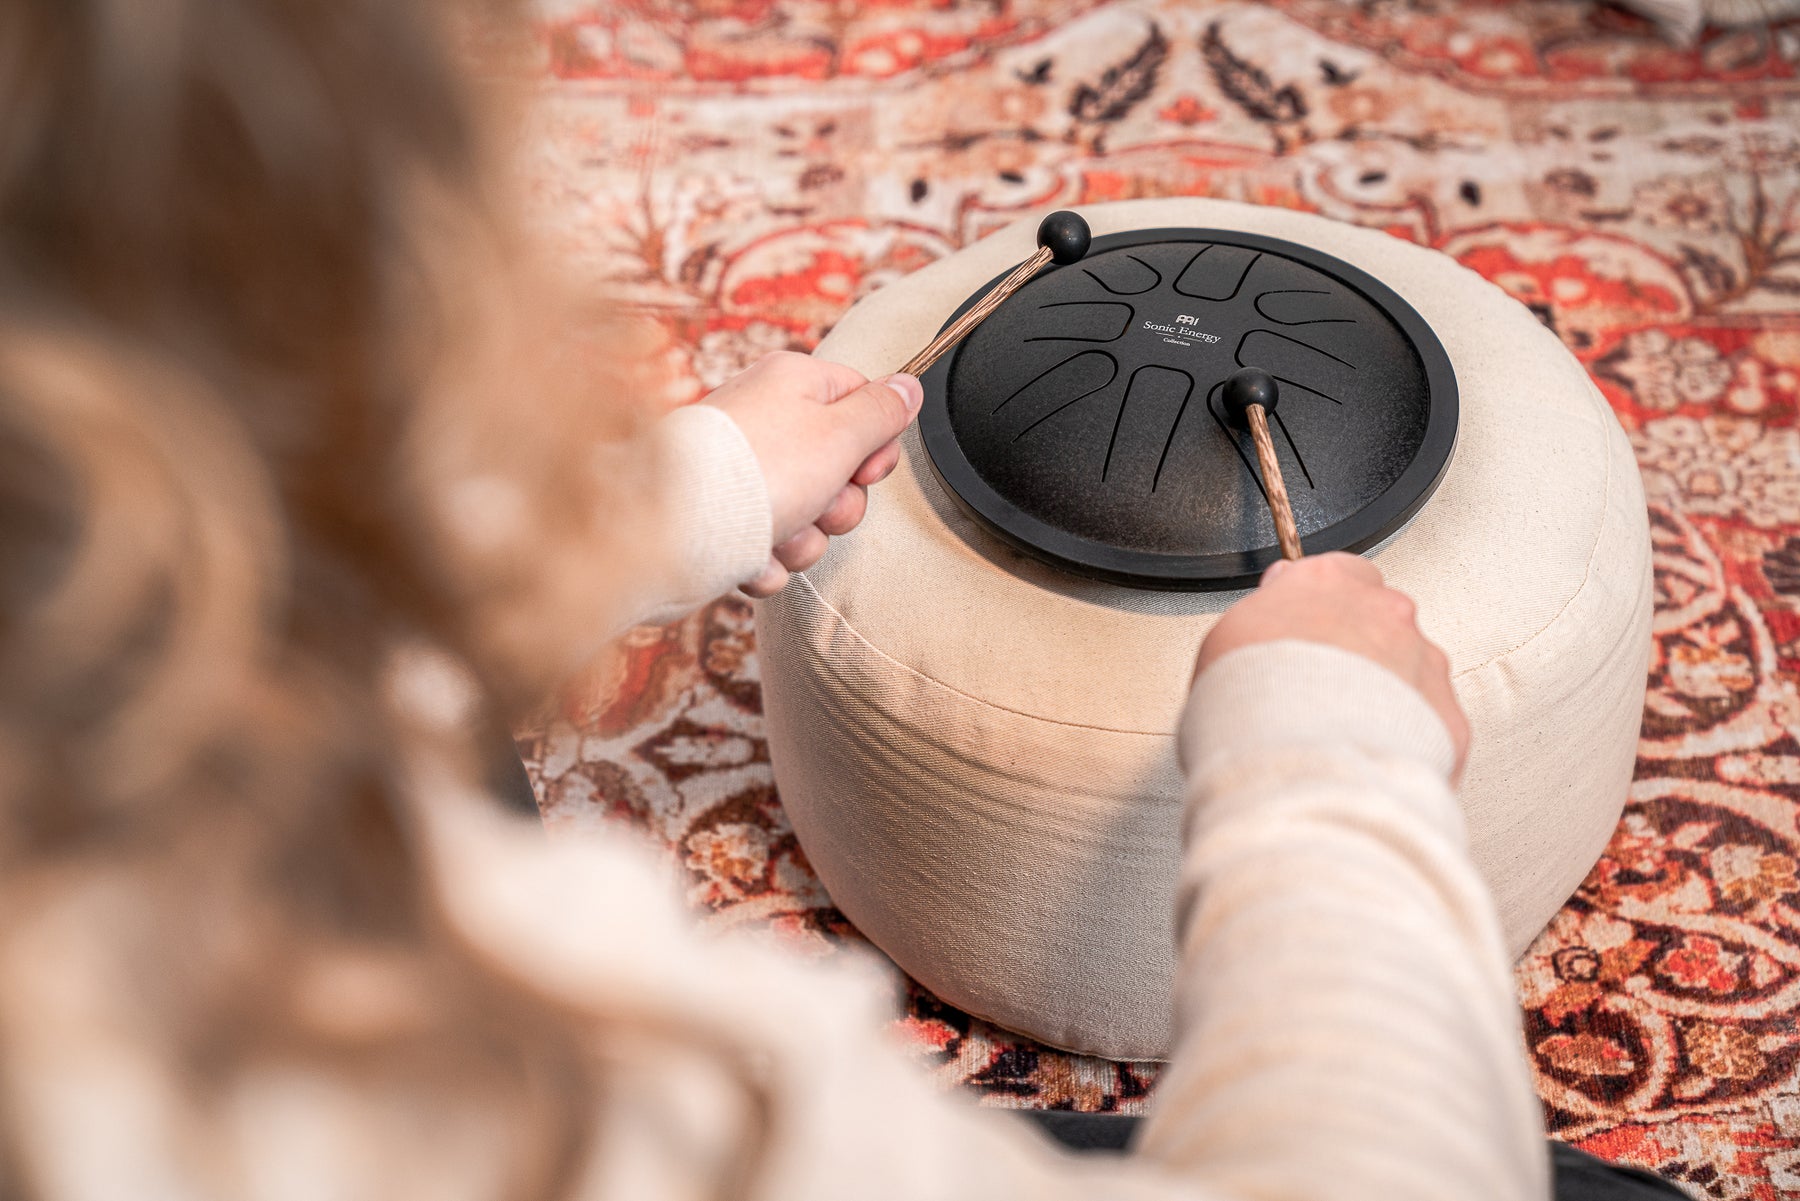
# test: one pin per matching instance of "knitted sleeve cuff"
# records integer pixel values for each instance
(716, 503)
(1284, 695)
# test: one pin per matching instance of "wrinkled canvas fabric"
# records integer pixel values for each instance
(977, 752)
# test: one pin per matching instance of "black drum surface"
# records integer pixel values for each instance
(1081, 422)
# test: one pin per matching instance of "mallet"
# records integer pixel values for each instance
(1249, 396)
(1062, 238)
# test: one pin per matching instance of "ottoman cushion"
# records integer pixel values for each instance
(977, 751)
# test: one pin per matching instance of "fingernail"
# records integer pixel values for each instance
(1274, 569)
(909, 389)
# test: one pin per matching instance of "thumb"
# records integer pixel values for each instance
(876, 413)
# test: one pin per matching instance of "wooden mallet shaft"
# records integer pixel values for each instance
(953, 333)
(1249, 396)
(1063, 238)
(1286, 532)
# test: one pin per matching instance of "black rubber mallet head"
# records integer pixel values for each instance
(1249, 395)
(1066, 236)
(1062, 237)
(1245, 387)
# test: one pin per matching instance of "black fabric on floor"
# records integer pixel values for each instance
(1579, 1176)
(1582, 1177)
(1086, 1131)
(507, 780)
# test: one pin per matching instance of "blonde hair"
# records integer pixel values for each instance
(280, 397)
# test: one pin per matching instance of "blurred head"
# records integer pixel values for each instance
(282, 401)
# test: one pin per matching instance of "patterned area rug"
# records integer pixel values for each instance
(743, 170)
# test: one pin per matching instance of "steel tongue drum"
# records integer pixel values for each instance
(1093, 407)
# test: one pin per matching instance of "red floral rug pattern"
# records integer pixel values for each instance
(742, 170)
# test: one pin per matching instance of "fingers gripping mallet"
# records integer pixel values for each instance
(1062, 238)
(1249, 396)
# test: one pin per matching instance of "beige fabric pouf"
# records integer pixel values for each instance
(977, 751)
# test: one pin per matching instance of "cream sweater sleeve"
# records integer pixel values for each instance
(715, 508)
(1347, 1021)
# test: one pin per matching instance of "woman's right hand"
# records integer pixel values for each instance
(1340, 600)
(822, 434)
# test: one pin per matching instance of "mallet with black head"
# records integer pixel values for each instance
(1062, 238)
(1249, 396)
